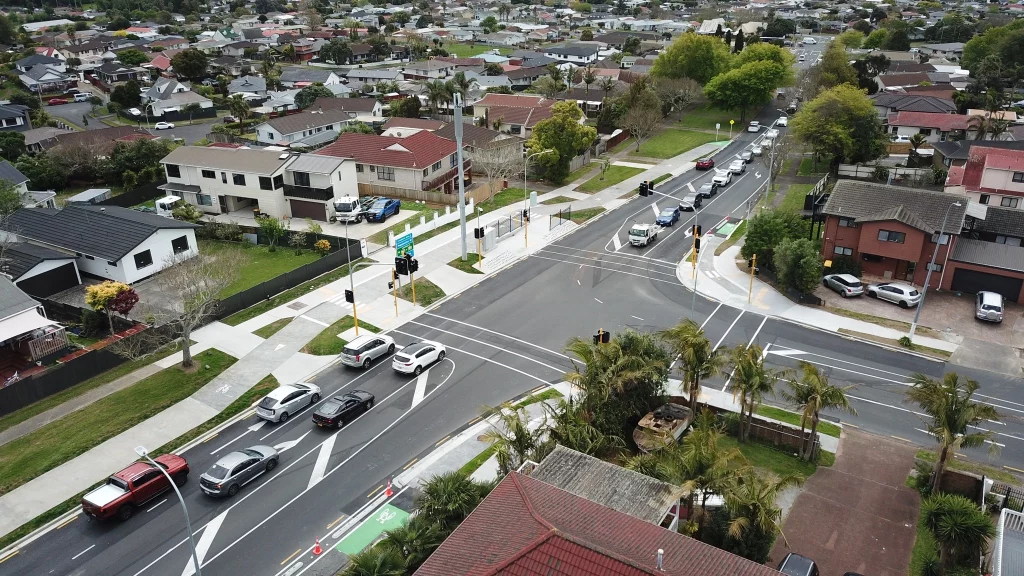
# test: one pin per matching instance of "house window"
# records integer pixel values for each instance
(359, 167)
(270, 135)
(454, 160)
(173, 171)
(301, 178)
(1008, 202)
(944, 239)
(934, 267)
(143, 259)
(1018, 176)
(983, 199)
(209, 174)
(180, 244)
(278, 182)
(890, 236)
(425, 172)
(238, 179)
(266, 183)
(847, 223)
(925, 132)
(224, 177)
(436, 166)
(516, 129)
(204, 199)
(386, 173)
(843, 251)
(1008, 240)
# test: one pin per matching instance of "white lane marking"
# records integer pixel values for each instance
(485, 359)
(690, 186)
(764, 353)
(577, 280)
(278, 347)
(498, 333)
(617, 242)
(153, 507)
(598, 301)
(75, 557)
(864, 366)
(609, 265)
(285, 446)
(321, 461)
(999, 399)
(605, 256)
(654, 206)
(489, 345)
(756, 332)
(617, 271)
(203, 546)
(421, 388)
(637, 317)
(315, 321)
(702, 324)
(252, 428)
(722, 339)
(930, 435)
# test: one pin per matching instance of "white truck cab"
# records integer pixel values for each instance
(165, 206)
(347, 209)
(643, 234)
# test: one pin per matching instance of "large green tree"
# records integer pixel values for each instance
(12, 145)
(132, 57)
(764, 52)
(564, 136)
(337, 51)
(988, 43)
(699, 359)
(766, 230)
(693, 56)
(798, 264)
(835, 68)
(749, 85)
(810, 394)
(127, 94)
(190, 63)
(960, 528)
(44, 171)
(842, 123)
(309, 94)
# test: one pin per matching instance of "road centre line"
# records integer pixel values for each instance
(999, 399)
(864, 366)
(676, 282)
(609, 265)
(498, 334)
(66, 522)
(481, 342)
(75, 557)
(628, 256)
(285, 561)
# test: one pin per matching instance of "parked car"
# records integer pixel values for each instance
(900, 139)
(82, 97)
(791, 109)
(236, 469)
(230, 119)
(722, 178)
(708, 190)
(756, 150)
(668, 217)
(366, 349)
(691, 202)
(846, 285)
(286, 400)
(747, 156)
(989, 306)
(737, 167)
(163, 125)
(383, 208)
(771, 134)
(706, 164)
(57, 101)
(72, 91)
(133, 487)
(803, 57)
(754, 126)
(342, 409)
(782, 121)
(797, 565)
(413, 359)
(904, 295)
(135, 112)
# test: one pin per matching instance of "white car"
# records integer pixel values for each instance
(365, 349)
(901, 139)
(284, 401)
(771, 134)
(737, 167)
(135, 112)
(783, 121)
(163, 125)
(722, 177)
(756, 150)
(413, 359)
(754, 126)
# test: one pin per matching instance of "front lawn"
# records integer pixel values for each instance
(610, 177)
(670, 143)
(811, 167)
(469, 51)
(261, 264)
(583, 214)
(793, 201)
(778, 462)
(31, 455)
(469, 265)
(327, 342)
(426, 292)
(705, 119)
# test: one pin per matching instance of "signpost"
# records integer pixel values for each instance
(404, 245)
(731, 122)
(718, 126)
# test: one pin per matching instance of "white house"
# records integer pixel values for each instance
(578, 54)
(296, 127)
(169, 95)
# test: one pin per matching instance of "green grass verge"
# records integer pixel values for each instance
(426, 292)
(558, 200)
(327, 342)
(27, 457)
(63, 396)
(290, 294)
(583, 214)
(469, 467)
(778, 462)
(942, 354)
(965, 465)
(469, 51)
(672, 142)
(549, 394)
(574, 176)
(260, 265)
(610, 177)
(469, 266)
(661, 178)
(793, 201)
(808, 167)
(706, 117)
(826, 428)
(737, 235)
(886, 322)
(272, 328)
(925, 550)
(500, 200)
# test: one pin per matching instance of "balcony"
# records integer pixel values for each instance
(437, 182)
(308, 192)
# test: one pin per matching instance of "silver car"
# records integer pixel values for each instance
(989, 307)
(737, 167)
(237, 469)
(904, 295)
(846, 285)
(366, 349)
(286, 400)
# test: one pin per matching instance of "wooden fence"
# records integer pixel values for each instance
(408, 194)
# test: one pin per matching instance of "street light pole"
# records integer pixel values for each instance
(931, 266)
(526, 194)
(141, 451)
(351, 282)
(457, 103)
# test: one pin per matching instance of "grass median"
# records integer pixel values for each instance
(328, 343)
(670, 143)
(426, 292)
(27, 457)
(583, 214)
(272, 328)
(469, 265)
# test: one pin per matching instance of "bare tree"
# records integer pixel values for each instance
(775, 162)
(678, 93)
(498, 160)
(641, 122)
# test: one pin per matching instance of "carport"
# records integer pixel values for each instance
(976, 265)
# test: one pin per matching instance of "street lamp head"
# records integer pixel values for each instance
(957, 204)
(141, 451)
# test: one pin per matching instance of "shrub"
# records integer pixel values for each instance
(188, 213)
(846, 265)
(906, 342)
(92, 323)
(881, 173)
(938, 176)
(323, 247)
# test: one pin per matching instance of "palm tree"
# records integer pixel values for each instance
(376, 561)
(916, 141)
(959, 526)
(607, 85)
(239, 108)
(651, 464)
(752, 381)
(437, 94)
(752, 505)
(708, 467)
(448, 498)
(459, 85)
(514, 442)
(954, 416)
(568, 426)
(811, 394)
(700, 360)
(415, 540)
(190, 109)
(589, 77)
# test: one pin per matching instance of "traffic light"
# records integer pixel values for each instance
(526, 214)
(751, 264)
(350, 297)
(602, 337)
(394, 276)
(696, 230)
(644, 189)
(414, 265)
(478, 233)
(696, 244)
(650, 185)
(402, 266)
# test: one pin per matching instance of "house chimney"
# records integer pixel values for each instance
(661, 559)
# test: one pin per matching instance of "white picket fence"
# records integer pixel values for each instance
(451, 214)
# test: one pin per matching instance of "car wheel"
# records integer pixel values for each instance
(872, 294)
(341, 422)
(315, 399)
(824, 283)
(125, 512)
(233, 490)
(418, 370)
(180, 479)
(369, 403)
(359, 219)
(440, 356)
(843, 294)
(283, 418)
(271, 465)
(367, 363)
(391, 349)
(903, 304)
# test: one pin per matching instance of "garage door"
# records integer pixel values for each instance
(314, 210)
(972, 281)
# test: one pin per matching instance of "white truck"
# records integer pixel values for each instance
(347, 209)
(643, 234)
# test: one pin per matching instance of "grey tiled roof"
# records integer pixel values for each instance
(11, 174)
(305, 75)
(923, 209)
(999, 220)
(13, 300)
(22, 257)
(989, 254)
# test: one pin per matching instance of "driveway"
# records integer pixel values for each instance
(857, 516)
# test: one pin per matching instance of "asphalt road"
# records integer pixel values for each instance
(505, 337)
(73, 112)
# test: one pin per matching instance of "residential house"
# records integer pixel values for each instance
(475, 138)
(231, 66)
(307, 48)
(101, 141)
(297, 128)
(15, 117)
(890, 103)
(241, 183)
(523, 78)
(949, 50)
(428, 70)
(88, 52)
(8, 173)
(525, 523)
(712, 26)
(108, 241)
(114, 72)
(169, 95)
(422, 162)
(306, 76)
(529, 58)
(956, 152)
(169, 44)
(238, 49)
(513, 114)
(482, 82)
(896, 82)
(503, 39)
(991, 176)
(373, 75)
(935, 126)
(50, 52)
(576, 54)
(26, 334)
(43, 73)
(404, 127)
(364, 109)
(253, 85)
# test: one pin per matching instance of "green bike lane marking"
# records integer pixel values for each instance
(387, 518)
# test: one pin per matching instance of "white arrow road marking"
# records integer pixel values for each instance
(321, 461)
(278, 347)
(282, 447)
(616, 242)
(421, 388)
(654, 206)
(203, 546)
(688, 232)
(252, 428)
(757, 175)
(690, 186)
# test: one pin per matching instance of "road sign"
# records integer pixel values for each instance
(718, 126)
(404, 245)
(731, 122)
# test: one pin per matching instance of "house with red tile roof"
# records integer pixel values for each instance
(991, 176)
(527, 526)
(514, 114)
(403, 167)
(935, 126)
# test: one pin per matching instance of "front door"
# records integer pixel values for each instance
(223, 204)
(911, 268)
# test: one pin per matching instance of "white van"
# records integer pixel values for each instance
(82, 97)
(809, 40)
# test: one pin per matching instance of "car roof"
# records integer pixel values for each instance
(707, 185)
(134, 470)
(668, 210)
(360, 340)
(847, 277)
(993, 297)
(232, 459)
(690, 196)
(282, 391)
(414, 348)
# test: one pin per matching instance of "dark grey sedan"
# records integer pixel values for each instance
(236, 469)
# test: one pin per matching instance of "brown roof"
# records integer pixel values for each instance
(420, 150)
(911, 79)
(346, 104)
(527, 527)
(524, 116)
(474, 136)
(102, 139)
(513, 101)
(919, 208)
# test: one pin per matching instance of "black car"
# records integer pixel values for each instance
(797, 565)
(708, 190)
(342, 409)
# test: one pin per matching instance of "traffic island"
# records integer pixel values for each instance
(329, 341)
(426, 292)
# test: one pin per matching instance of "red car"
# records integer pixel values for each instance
(56, 101)
(133, 487)
(706, 164)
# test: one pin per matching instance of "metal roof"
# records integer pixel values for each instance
(265, 162)
(989, 254)
(13, 300)
(316, 163)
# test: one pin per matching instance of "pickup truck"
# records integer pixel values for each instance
(643, 234)
(133, 487)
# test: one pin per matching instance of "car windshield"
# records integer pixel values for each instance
(251, 453)
(330, 407)
(345, 206)
(380, 204)
(218, 471)
(637, 232)
(667, 213)
(706, 187)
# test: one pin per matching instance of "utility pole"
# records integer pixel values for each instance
(753, 266)
(457, 101)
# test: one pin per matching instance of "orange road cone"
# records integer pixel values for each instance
(316, 548)
(388, 492)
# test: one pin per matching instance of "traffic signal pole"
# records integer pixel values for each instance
(394, 289)
(412, 282)
(753, 266)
